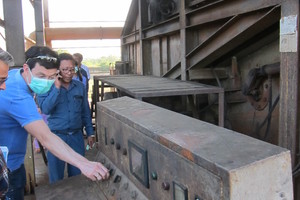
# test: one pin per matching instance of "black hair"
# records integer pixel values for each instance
(79, 55)
(66, 56)
(45, 56)
(79, 74)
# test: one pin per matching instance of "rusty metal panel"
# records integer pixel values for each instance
(174, 53)
(230, 36)
(130, 39)
(156, 57)
(227, 9)
(163, 29)
(165, 55)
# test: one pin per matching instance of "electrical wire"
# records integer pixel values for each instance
(269, 114)
(270, 103)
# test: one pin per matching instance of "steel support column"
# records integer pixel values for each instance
(289, 94)
(141, 47)
(182, 22)
(289, 111)
(39, 22)
(14, 33)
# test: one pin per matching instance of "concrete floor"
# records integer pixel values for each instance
(41, 173)
(41, 170)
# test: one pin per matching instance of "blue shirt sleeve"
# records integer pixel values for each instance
(86, 116)
(24, 111)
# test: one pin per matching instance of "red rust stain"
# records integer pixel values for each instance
(184, 152)
(187, 154)
(141, 112)
(163, 141)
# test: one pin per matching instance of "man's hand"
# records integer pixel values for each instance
(94, 171)
(91, 141)
(57, 81)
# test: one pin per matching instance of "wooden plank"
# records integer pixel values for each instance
(29, 166)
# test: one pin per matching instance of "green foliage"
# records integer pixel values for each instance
(102, 62)
(59, 51)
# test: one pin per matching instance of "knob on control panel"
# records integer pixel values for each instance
(117, 179)
(154, 175)
(165, 185)
(111, 172)
(112, 141)
(197, 198)
(108, 166)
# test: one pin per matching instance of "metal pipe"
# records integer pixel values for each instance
(271, 69)
(82, 33)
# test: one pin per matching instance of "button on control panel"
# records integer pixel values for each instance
(118, 186)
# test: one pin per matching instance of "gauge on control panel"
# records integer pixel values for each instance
(138, 162)
(179, 192)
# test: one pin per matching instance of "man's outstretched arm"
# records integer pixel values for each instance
(92, 170)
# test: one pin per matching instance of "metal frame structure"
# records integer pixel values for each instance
(204, 35)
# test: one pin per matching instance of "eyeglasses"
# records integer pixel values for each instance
(66, 70)
(47, 58)
(2, 80)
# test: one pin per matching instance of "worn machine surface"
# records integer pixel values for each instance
(154, 153)
(171, 156)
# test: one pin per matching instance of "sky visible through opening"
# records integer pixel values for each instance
(81, 13)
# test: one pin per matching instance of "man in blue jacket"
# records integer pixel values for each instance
(68, 109)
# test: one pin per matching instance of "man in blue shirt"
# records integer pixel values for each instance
(67, 106)
(19, 115)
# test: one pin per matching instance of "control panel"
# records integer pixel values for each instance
(167, 155)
